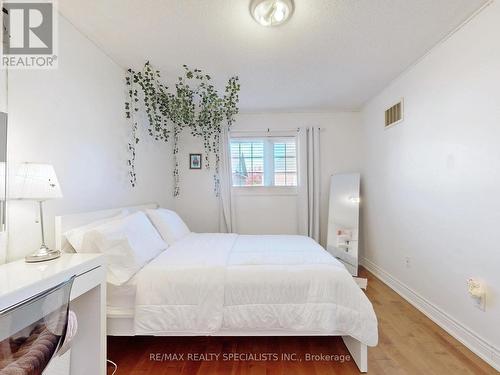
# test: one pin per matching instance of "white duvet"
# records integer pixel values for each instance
(208, 283)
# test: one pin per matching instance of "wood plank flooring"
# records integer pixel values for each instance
(409, 343)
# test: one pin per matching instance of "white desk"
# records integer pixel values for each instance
(20, 281)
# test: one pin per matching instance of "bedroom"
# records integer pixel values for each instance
(315, 94)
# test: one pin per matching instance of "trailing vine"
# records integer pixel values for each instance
(194, 105)
(130, 107)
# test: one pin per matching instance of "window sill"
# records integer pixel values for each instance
(265, 190)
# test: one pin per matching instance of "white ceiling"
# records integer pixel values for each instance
(331, 55)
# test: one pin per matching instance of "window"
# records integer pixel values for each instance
(247, 161)
(285, 163)
(269, 161)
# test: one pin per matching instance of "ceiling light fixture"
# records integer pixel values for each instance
(271, 12)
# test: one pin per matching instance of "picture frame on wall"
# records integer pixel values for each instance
(195, 161)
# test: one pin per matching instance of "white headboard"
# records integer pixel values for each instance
(67, 222)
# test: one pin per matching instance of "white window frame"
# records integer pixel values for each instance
(268, 163)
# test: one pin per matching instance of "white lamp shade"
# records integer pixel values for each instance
(35, 181)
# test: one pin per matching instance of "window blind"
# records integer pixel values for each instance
(266, 161)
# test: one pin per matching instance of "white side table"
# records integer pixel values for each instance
(20, 281)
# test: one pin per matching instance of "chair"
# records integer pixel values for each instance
(32, 331)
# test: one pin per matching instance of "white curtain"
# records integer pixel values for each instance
(309, 181)
(225, 191)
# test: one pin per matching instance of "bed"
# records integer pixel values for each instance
(237, 285)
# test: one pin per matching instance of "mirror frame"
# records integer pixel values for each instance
(3, 170)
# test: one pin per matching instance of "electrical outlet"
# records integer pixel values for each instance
(408, 262)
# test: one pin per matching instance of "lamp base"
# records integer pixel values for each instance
(43, 254)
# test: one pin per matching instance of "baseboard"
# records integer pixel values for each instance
(471, 340)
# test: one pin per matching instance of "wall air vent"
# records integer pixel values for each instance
(394, 115)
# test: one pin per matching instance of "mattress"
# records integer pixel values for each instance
(208, 283)
(120, 299)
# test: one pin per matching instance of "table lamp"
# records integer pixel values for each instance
(37, 182)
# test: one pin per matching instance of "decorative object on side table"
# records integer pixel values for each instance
(38, 182)
(194, 161)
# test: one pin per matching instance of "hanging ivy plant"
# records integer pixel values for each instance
(194, 104)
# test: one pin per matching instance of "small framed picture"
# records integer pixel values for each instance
(194, 161)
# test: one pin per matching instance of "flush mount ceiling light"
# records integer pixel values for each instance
(271, 12)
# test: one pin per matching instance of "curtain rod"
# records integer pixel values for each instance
(268, 130)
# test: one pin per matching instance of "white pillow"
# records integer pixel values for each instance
(75, 236)
(128, 244)
(169, 224)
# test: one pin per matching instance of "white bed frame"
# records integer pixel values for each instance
(123, 325)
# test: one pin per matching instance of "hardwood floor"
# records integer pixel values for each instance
(409, 343)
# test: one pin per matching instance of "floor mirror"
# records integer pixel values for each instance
(343, 219)
(3, 144)
(3, 186)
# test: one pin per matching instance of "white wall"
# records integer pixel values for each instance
(196, 204)
(73, 118)
(431, 184)
(272, 214)
(3, 90)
